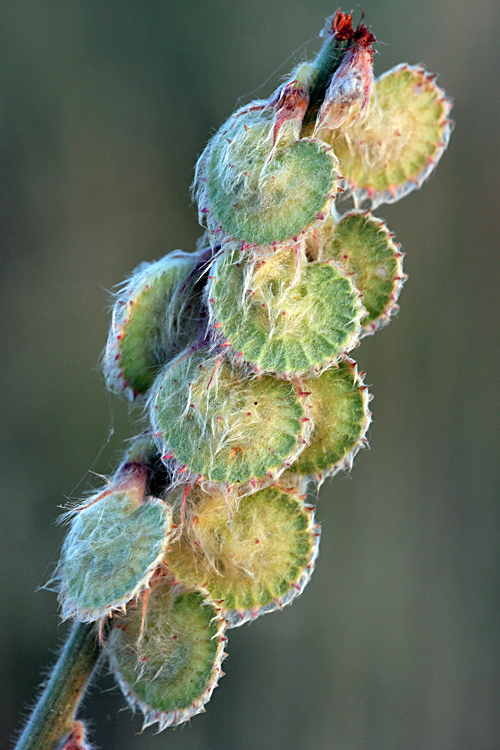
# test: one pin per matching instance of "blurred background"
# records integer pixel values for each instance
(104, 108)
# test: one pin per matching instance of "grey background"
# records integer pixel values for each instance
(104, 108)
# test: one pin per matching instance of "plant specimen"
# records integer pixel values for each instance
(239, 354)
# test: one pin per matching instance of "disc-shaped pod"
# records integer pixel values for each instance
(339, 403)
(252, 188)
(365, 248)
(282, 314)
(253, 554)
(156, 315)
(166, 653)
(224, 424)
(114, 545)
(396, 144)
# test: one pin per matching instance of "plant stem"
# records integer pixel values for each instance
(326, 64)
(54, 713)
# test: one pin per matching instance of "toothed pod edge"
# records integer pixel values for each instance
(157, 313)
(283, 314)
(166, 653)
(224, 424)
(249, 190)
(365, 248)
(253, 554)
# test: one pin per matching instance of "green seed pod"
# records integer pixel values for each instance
(365, 248)
(167, 657)
(253, 555)
(341, 419)
(226, 425)
(261, 186)
(395, 146)
(284, 315)
(156, 315)
(114, 545)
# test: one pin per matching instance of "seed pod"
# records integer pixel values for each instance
(156, 315)
(396, 145)
(259, 185)
(254, 555)
(285, 315)
(365, 248)
(114, 545)
(166, 654)
(223, 424)
(341, 419)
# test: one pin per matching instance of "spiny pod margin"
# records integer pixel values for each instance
(114, 546)
(283, 315)
(253, 554)
(225, 425)
(156, 314)
(166, 654)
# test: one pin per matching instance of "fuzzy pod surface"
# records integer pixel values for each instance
(166, 655)
(157, 313)
(112, 549)
(262, 194)
(253, 555)
(240, 352)
(283, 314)
(226, 425)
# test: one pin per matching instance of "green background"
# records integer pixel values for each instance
(104, 108)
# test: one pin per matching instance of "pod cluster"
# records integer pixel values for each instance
(240, 355)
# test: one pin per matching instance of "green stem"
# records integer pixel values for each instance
(55, 711)
(326, 64)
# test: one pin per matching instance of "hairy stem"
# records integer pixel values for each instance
(326, 64)
(55, 711)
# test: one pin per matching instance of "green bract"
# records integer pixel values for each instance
(112, 549)
(223, 424)
(156, 315)
(254, 555)
(260, 195)
(167, 656)
(284, 314)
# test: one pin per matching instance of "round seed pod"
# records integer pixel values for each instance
(256, 190)
(365, 248)
(395, 146)
(224, 425)
(285, 315)
(341, 420)
(253, 555)
(156, 315)
(114, 545)
(166, 657)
